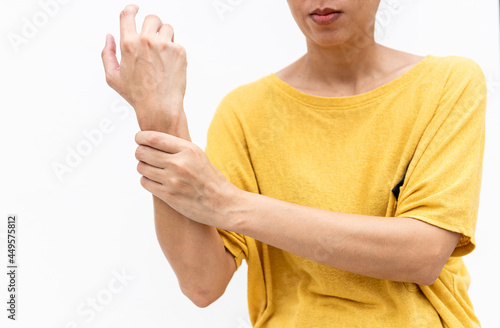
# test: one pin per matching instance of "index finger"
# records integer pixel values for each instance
(127, 21)
(161, 141)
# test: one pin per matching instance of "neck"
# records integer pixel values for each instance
(341, 64)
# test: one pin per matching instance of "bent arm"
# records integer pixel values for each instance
(195, 251)
(393, 248)
(397, 249)
(151, 76)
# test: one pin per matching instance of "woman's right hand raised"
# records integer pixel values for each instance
(152, 73)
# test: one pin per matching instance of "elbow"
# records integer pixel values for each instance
(428, 269)
(202, 298)
(427, 278)
(430, 255)
(201, 302)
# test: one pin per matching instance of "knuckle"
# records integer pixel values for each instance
(128, 45)
(192, 149)
(143, 181)
(152, 17)
(146, 183)
(180, 166)
(176, 163)
(169, 27)
(140, 167)
(139, 152)
(179, 53)
(146, 39)
(168, 192)
(175, 182)
(154, 139)
(163, 45)
(178, 50)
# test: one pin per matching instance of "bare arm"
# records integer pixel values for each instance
(398, 249)
(195, 251)
(151, 77)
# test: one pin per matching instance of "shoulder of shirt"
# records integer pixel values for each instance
(246, 97)
(457, 68)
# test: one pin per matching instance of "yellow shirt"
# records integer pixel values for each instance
(410, 148)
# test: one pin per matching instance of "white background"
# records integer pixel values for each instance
(78, 232)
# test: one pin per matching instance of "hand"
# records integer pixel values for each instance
(179, 173)
(152, 73)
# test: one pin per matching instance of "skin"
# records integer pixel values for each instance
(148, 57)
(200, 198)
(343, 59)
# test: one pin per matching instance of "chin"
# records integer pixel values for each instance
(328, 39)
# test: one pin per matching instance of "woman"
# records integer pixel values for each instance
(349, 181)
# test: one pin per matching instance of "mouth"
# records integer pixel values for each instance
(323, 16)
(325, 11)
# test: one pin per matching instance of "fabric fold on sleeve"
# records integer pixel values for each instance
(443, 181)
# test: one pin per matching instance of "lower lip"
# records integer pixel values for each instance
(325, 19)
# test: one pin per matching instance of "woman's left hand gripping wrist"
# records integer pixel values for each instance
(179, 173)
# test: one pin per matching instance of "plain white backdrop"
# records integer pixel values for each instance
(87, 253)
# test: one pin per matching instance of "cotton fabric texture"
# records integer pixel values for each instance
(346, 154)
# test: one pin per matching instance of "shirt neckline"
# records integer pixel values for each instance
(348, 101)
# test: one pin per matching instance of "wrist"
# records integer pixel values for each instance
(171, 120)
(233, 211)
(158, 120)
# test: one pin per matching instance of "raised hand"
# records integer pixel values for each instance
(152, 73)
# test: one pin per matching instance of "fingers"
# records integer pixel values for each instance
(127, 22)
(150, 172)
(167, 32)
(161, 141)
(111, 65)
(151, 156)
(152, 186)
(151, 25)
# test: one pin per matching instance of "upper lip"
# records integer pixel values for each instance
(324, 11)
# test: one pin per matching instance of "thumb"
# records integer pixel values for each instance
(111, 65)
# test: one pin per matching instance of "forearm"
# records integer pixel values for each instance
(172, 119)
(195, 251)
(398, 249)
